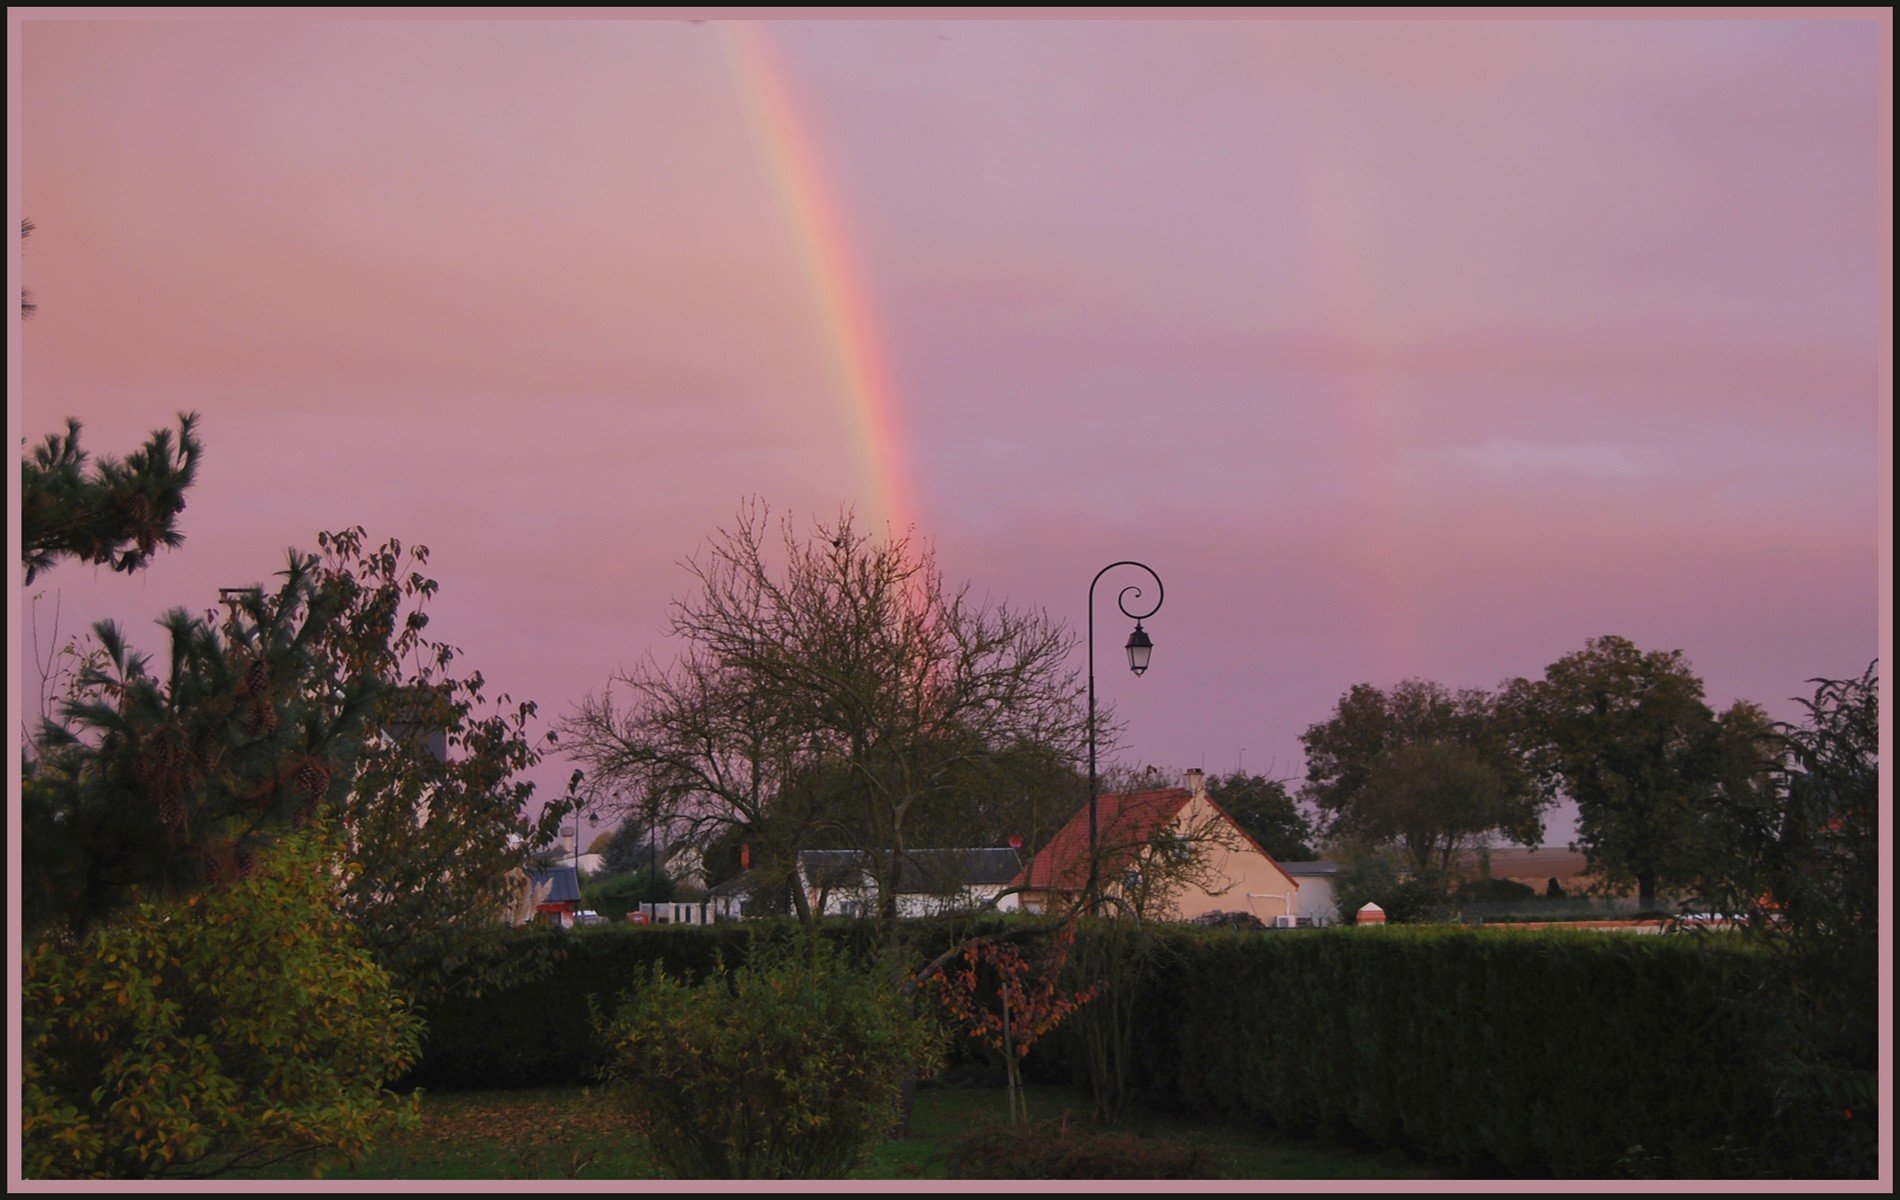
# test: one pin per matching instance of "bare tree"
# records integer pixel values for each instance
(835, 655)
(690, 745)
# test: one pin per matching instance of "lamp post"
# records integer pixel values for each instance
(1139, 649)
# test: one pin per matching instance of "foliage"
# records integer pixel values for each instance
(789, 1067)
(1517, 1052)
(112, 512)
(1266, 811)
(1054, 1150)
(1494, 891)
(1407, 896)
(1800, 866)
(236, 1028)
(1009, 1001)
(631, 846)
(1120, 958)
(1422, 768)
(436, 806)
(535, 1031)
(835, 693)
(616, 895)
(1627, 735)
(171, 783)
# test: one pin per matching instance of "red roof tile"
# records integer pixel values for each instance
(1124, 823)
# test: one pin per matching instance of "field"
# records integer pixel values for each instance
(579, 1133)
(1537, 867)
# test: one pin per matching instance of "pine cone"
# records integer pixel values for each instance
(262, 720)
(313, 779)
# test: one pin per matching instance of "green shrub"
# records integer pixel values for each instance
(1495, 891)
(1408, 897)
(790, 1067)
(537, 1031)
(614, 896)
(241, 1027)
(1052, 1150)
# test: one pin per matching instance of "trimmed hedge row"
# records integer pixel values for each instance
(1515, 1052)
(1507, 1051)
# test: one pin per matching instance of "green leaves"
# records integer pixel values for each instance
(787, 1068)
(1423, 768)
(187, 1039)
(1627, 735)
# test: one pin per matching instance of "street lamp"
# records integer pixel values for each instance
(1140, 649)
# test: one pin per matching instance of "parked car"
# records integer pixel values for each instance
(589, 917)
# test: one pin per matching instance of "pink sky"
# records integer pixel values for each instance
(1397, 348)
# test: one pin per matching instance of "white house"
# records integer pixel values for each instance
(1316, 903)
(929, 882)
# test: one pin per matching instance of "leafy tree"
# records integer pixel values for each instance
(1009, 1000)
(619, 894)
(1628, 736)
(1798, 860)
(436, 806)
(242, 1027)
(840, 666)
(113, 512)
(1824, 861)
(632, 846)
(1410, 896)
(1423, 768)
(1267, 812)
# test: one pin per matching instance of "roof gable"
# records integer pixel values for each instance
(1124, 824)
(564, 887)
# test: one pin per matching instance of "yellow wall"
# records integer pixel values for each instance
(1233, 873)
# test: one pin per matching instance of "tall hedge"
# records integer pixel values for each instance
(1505, 1051)
(1516, 1052)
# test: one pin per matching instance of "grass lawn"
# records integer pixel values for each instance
(578, 1133)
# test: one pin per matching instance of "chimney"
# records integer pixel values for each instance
(1197, 782)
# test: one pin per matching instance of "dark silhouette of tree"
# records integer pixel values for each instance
(27, 307)
(1423, 768)
(1627, 734)
(108, 512)
(170, 781)
(1267, 812)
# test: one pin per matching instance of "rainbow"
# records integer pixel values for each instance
(860, 376)
(1341, 276)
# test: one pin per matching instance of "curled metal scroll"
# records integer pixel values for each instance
(1134, 589)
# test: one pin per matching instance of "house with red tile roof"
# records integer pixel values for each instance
(1166, 854)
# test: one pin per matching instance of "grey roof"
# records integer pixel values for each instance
(1318, 866)
(921, 871)
(739, 884)
(566, 886)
